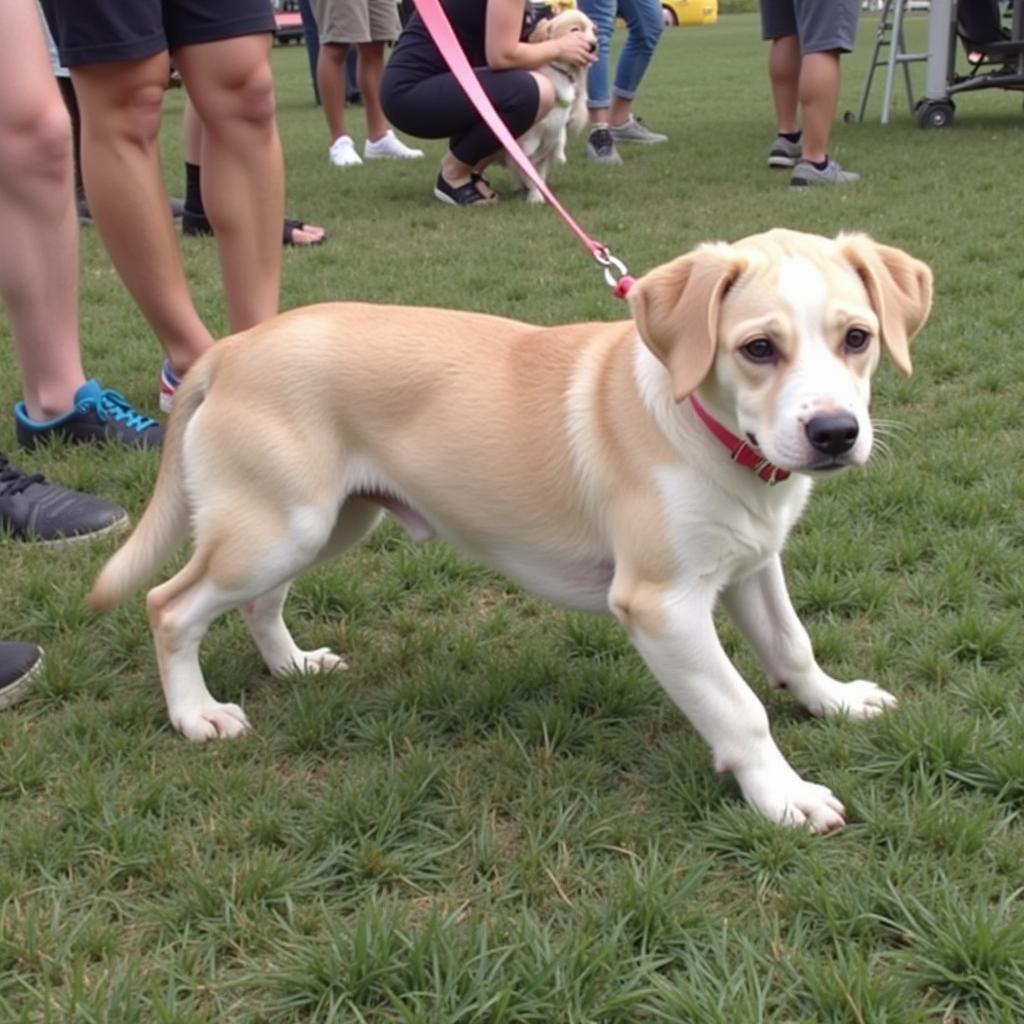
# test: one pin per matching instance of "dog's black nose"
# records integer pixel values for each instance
(833, 433)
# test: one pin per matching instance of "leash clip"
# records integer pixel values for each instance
(616, 274)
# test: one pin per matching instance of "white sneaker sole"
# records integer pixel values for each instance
(393, 156)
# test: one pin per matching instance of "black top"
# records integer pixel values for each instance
(415, 50)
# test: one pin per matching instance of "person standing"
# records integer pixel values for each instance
(368, 25)
(119, 55)
(807, 39)
(39, 288)
(611, 103)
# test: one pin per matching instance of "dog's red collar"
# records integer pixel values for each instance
(740, 450)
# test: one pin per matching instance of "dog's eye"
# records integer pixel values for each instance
(760, 350)
(857, 339)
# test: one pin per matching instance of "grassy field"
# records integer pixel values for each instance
(496, 815)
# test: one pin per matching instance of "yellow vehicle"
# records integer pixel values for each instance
(689, 12)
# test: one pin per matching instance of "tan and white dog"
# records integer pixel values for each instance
(544, 143)
(571, 458)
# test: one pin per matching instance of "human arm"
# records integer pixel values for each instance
(504, 48)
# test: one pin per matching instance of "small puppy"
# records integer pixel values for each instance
(648, 468)
(544, 143)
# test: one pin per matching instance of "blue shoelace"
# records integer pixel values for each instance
(113, 403)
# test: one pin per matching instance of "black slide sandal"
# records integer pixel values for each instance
(464, 195)
(198, 224)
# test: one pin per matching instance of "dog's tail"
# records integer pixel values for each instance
(164, 523)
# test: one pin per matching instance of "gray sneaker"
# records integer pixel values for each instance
(634, 130)
(805, 173)
(33, 509)
(601, 147)
(784, 153)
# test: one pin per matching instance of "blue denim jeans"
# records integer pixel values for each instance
(644, 23)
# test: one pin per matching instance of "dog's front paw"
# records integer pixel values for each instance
(534, 197)
(789, 800)
(859, 699)
(210, 721)
(323, 659)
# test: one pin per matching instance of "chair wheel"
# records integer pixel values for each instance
(935, 113)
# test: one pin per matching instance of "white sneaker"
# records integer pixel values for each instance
(343, 152)
(390, 147)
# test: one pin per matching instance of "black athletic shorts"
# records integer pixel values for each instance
(100, 31)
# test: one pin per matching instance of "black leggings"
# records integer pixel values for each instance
(436, 108)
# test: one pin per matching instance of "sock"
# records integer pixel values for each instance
(820, 164)
(597, 126)
(791, 136)
(193, 196)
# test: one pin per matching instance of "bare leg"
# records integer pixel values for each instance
(330, 80)
(121, 105)
(819, 97)
(369, 70)
(39, 257)
(784, 74)
(243, 169)
(192, 146)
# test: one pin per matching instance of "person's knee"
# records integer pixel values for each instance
(41, 148)
(647, 30)
(137, 117)
(334, 54)
(256, 97)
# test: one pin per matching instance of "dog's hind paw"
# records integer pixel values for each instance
(211, 721)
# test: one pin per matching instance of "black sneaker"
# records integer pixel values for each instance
(33, 509)
(99, 415)
(601, 147)
(18, 664)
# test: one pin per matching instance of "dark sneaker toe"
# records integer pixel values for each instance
(33, 509)
(19, 662)
(52, 513)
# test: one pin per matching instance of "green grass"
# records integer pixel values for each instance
(496, 815)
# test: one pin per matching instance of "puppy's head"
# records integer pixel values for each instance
(781, 333)
(571, 20)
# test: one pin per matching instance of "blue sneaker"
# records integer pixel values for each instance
(99, 415)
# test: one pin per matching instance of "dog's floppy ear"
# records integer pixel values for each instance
(900, 290)
(676, 309)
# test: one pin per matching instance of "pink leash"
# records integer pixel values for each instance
(615, 272)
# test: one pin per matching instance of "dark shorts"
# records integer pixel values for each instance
(100, 31)
(820, 25)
